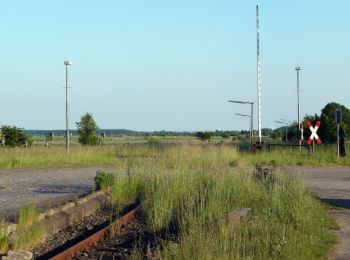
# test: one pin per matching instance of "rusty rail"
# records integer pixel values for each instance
(101, 235)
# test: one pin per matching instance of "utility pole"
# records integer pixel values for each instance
(298, 98)
(67, 63)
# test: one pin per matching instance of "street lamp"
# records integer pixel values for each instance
(285, 123)
(67, 63)
(250, 127)
(251, 117)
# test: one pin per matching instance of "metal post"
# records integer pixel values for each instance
(67, 63)
(251, 124)
(298, 90)
(286, 134)
(258, 72)
(338, 144)
(284, 122)
(298, 98)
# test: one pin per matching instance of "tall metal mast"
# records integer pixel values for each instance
(298, 100)
(258, 73)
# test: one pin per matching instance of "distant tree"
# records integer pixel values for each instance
(87, 128)
(14, 136)
(203, 136)
(266, 131)
(328, 129)
(276, 134)
(225, 135)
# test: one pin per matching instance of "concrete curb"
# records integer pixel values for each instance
(55, 219)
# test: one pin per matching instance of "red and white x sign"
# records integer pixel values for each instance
(313, 132)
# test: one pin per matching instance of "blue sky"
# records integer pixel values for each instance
(169, 65)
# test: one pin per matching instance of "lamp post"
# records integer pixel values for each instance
(251, 117)
(250, 127)
(67, 63)
(297, 68)
(285, 123)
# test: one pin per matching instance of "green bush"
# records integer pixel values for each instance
(203, 136)
(103, 180)
(15, 136)
(87, 128)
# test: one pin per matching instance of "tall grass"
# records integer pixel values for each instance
(194, 187)
(4, 240)
(28, 231)
(324, 155)
(152, 148)
(27, 234)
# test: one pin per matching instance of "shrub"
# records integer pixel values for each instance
(103, 180)
(87, 130)
(14, 136)
(203, 136)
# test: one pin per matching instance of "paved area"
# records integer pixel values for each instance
(46, 186)
(332, 185)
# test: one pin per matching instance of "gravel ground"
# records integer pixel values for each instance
(133, 235)
(119, 247)
(47, 186)
(72, 234)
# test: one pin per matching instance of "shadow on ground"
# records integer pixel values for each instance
(341, 203)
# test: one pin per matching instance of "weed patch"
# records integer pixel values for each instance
(193, 187)
(28, 231)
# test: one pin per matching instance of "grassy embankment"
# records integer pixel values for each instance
(194, 187)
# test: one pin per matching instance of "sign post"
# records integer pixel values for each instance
(338, 120)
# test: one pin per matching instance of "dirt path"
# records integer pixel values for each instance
(46, 186)
(332, 185)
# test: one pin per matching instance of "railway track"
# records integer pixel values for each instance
(82, 248)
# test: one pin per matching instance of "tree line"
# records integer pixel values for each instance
(328, 129)
(88, 131)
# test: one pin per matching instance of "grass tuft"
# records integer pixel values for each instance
(28, 231)
(4, 240)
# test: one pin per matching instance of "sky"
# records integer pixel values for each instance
(169, 65)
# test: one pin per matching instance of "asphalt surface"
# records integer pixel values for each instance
(45, 186)
(332, 185)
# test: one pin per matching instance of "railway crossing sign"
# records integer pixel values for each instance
(313, 132)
